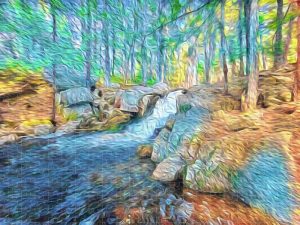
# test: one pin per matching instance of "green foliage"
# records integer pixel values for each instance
(184, 108)
(29, 44)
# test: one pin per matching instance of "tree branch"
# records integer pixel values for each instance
(179, 17)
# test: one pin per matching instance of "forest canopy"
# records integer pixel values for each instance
(180, 42)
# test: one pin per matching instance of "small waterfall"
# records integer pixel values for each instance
(164, 107)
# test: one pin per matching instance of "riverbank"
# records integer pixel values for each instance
(247, 162)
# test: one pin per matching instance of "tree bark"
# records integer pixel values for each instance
(297, 75)
(240, 34)
(278, 46)
(160, 46)
(206, 60)
(106, 44)
(144, 62)
(54, 37)
(288, 41)
(252, 30)
(88, 44)
(247, 28)
(263, 57)
(223, 50)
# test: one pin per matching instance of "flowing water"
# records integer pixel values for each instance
(82, 178)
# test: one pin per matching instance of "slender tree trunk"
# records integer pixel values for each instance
(88, 54)
(263, 57)
(132, 61)
(297, 75)
(223, 50)
(278, 46)
(233, 68)
(54, 36)
(95, 42)
(252, 30)
(113, 52)
(247, 8)
(240, 34)
(206, 61)
(288, 41)
(160, 46)
(106, 44)
(144, 61)
(125, 63)
(160, 53)
(191, 72)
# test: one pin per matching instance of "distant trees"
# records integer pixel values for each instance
(177, 42)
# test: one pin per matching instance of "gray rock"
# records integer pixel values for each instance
(43, 129)
(78, 110)
(160, 88)
(8, 139)
(69, 127)
(76, 96)
(185, 126)
(169, 169)
(130, 100)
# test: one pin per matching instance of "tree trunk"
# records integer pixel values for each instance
(263, 57)
(113, 52)
(206, 60)
(160, 53)
(288, 41)
(132, 61)
(160, 46)
(144, 62)
(240, 34)
(106, 44)
(54, 36)
(247, 28)
(278, 47)
(233, 68)
(252, 59)
(223, 50)
(88, 53)
(191, 73)
(297, 75)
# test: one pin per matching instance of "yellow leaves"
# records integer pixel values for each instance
(35, 122)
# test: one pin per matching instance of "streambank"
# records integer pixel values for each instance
(96, 178)
(215, 148)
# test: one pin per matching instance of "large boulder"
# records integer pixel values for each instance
(259, 173)
(187, 122)
(138, 99)
(76, 96)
